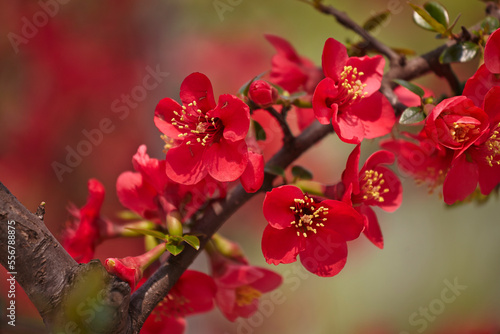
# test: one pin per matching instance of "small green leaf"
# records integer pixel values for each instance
(128, 215)
(275, 170)
(260, 134)
(459, 53)
(411, 87)
(300, 172)
(411, 115)
(490, 24)
(438, 12)
(192, 241)
(376, 20)
(424, 19)
(152, 233)
(174, 249)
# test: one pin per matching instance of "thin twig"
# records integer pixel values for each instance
(288, 137)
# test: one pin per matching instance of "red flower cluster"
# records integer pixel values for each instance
(461, 136)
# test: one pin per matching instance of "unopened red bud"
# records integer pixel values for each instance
(262, 93)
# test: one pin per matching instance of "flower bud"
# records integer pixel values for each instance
(262, 93)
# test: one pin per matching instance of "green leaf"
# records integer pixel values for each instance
(174, 249)
(275, 170)
(300, 172)
(411, 87)
(128, 215)
(260, 134)
(192, 241)
(490, 24)
(459, 53)
(438, 12)
(411, 115)
(425, 20)
(152, 233)
(376, 20)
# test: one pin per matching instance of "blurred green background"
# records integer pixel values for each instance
(65, 78)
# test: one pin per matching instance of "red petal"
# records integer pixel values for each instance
(283, 47)
(492, 104)
(268, 282)
(492, 52)
(488, 176)
(135, 194)
(280, 246)
(343, 219)
(348, 127)
(351, 172)
(461, 180)
(372, 228)
(197, 87)
(376, 114)
(226, 161)
(235, 116)
(325, 253)
(253, 176)
(373, 70)
(164, 113)
(305, 117)
(277, 205)
(199, 289)
(479, 84)
(184, 164)
(334, 58)
(377, 158)
(323, 110)
(156, 324)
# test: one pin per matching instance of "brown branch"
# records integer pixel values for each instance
(288, 137)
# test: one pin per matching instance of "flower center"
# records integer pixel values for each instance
(492, 145)
(372, 182)
(461, 132)
(353, 89)
(307, 217)
(173, 305)
(245, 295)
(196, 127)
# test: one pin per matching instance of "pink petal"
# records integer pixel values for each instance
(334, 58)
(277, 205)
(324, 254)
(280, 246)
(226, 161)
(197, 87)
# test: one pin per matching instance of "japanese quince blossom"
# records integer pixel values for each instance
(348, 96)
(480, 163)
(316, 230)
(205, 138)
(150, 193)
(421, 158)
(240, 285)
(294, 73)
(193, 293)
(373, 185)
(456, 123)
(87, 228)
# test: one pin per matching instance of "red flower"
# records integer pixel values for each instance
(349, 97)
(131, 269)
(193, 293)
(207, 139)
(481, 161)
(262, 93)
(422, 160)
(374, 185)
(151, 194)
(295, 74)
(479, 84)
(315, 230)
(456, 123)
(239, 287)
(88, 228)
(291, 71)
